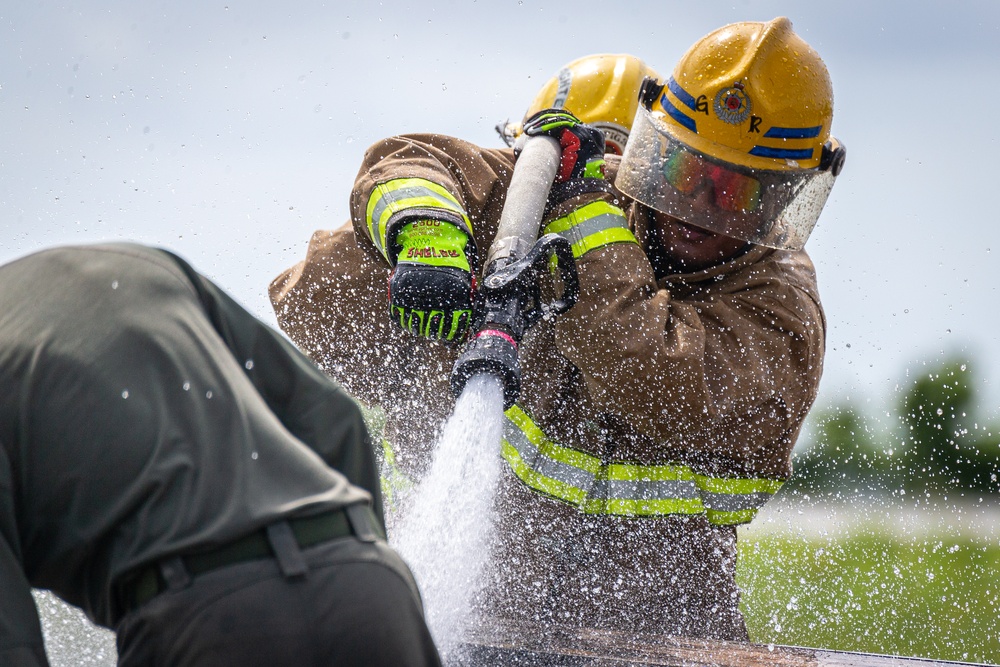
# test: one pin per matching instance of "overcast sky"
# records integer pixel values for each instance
(229, 131)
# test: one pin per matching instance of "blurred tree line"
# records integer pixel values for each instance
(932, 441)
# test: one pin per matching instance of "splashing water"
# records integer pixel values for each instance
(71, 640)
(446, 533)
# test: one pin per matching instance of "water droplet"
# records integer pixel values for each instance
(208, 394)
(186, 386)
(254, 456)
(125, 393)
(249, 364)
(114, 284)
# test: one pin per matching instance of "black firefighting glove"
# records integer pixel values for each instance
(430, 289)
(582, 145)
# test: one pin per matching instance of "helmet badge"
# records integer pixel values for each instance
(732, 104)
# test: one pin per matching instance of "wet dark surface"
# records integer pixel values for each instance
(564, 647)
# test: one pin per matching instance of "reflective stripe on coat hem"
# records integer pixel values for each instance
(626, 489)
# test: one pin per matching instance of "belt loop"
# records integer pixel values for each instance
(174, 574)
(362, 521)
(286, 550)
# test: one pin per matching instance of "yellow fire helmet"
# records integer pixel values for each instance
(746, 116)
(601, 90)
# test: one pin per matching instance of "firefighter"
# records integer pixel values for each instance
(660, 412)
(185, 476)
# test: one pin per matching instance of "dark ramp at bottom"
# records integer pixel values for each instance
(570, 647)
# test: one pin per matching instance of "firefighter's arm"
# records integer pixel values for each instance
(421, 202)
(742, 363)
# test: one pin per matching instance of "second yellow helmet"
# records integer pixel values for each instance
(601, 90)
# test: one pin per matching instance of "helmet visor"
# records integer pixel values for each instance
(770, 207)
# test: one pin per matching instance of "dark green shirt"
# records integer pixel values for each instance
(144, 413)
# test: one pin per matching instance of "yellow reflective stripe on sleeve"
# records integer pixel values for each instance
(592, 226)
(399, 194)
(626, 489)
(601, 239)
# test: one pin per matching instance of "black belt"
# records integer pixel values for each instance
(145, 583)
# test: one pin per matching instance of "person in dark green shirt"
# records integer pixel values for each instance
(184, 475)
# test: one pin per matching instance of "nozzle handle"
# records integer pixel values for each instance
(566, 265)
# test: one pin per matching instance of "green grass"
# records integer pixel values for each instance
(926, 597)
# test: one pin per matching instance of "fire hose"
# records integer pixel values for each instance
(509, 300)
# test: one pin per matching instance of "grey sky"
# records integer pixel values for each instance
(229, 131)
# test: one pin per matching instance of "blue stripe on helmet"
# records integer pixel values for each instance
(681, 94)
(678, 115)
(783, 153)
(793, 132)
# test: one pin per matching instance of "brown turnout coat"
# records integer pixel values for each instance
(713, 370)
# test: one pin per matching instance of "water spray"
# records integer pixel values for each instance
(447, 533)
(509, 300)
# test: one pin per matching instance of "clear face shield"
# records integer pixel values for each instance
(767, 207)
